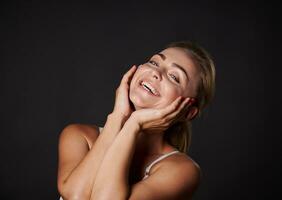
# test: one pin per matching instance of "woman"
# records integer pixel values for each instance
(140, 154)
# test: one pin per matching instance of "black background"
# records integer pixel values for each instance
(61, 63)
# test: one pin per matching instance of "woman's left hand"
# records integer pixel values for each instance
(159, 119)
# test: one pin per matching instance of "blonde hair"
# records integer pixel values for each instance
(179, 134)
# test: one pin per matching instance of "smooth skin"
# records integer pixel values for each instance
(96, 166)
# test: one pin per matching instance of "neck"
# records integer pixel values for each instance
(150, 144)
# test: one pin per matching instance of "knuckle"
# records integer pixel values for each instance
(157, 113)
(174, 106)
(166, 124)
(160, 115)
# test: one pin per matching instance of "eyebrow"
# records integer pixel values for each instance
(174, 64)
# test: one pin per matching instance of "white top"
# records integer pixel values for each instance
(100, 129)
(147, 171)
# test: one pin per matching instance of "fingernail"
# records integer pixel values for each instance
(191, 101)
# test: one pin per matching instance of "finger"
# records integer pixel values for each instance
(186, 109)
(183, 108)
(128, 75)
(172, 107)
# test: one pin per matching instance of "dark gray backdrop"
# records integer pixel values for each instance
(61, 63)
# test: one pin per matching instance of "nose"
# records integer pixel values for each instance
(157, 75)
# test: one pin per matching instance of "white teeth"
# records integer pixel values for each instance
(147, 85)
(146, 88)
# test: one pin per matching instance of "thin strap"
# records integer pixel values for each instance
(100, 129)
(157, 160)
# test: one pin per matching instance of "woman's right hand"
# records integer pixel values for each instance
(122, 105)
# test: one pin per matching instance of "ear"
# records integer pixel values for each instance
(191, 113)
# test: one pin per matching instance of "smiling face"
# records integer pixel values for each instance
(167, 75)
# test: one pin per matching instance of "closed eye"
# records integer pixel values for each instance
(171, 75)
(153, 62)
(175, 78)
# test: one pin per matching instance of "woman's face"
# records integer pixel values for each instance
(167, 75)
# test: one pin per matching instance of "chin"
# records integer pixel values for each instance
(139, 103)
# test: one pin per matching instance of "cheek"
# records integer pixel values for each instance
(170, 94)
(141, 69)
(135, 77)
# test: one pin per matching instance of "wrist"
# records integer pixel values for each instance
(133, 126)
(118, 113)
(117, 117)
(133, 121)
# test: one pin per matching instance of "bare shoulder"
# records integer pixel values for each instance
(75, 140)
(89, 132)
(183, 165)
(186, 174)
(180, 161)
(177, 177)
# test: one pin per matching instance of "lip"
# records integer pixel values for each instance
(157, 92)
